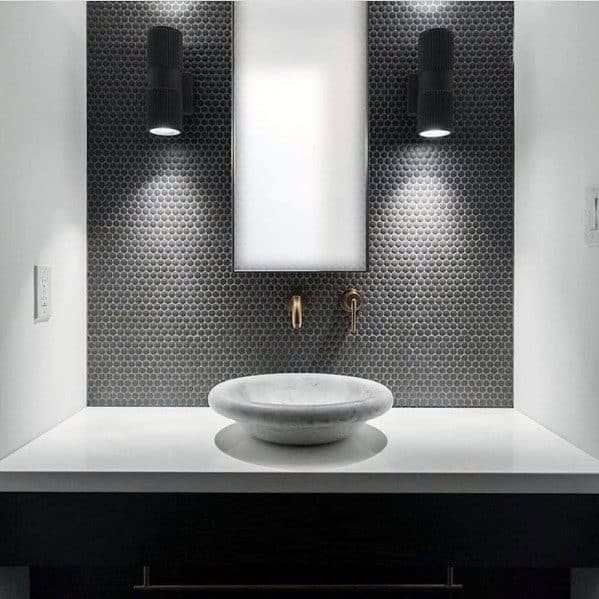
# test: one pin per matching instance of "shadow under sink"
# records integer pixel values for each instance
(365, 443)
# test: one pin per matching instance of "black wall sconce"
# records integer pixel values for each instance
(170, 91)
(430, 92)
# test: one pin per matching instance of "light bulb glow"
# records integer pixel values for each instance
(164, 131)
(434, 133)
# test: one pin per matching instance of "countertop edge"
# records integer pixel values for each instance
(294, 482)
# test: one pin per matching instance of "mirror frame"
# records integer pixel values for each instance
(367, 251)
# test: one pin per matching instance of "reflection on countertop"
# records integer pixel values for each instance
(365, 443)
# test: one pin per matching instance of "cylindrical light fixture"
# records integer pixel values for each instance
(430, 93)
(170, 91)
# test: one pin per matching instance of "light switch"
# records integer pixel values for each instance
(42, 310)
(591, 226)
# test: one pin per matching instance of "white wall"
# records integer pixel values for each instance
(14, 582)
(43, 215)
(584, 583)
(556, 276)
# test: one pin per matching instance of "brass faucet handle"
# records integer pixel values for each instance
(296, 302)
(351, 301)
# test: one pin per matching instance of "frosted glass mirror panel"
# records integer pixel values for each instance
(300, 135)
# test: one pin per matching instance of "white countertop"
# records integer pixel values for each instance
(195, 450)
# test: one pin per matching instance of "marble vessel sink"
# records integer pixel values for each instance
(300, 409)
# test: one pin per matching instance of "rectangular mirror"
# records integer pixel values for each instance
(300, 126)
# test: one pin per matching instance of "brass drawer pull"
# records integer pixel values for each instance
(448, 585)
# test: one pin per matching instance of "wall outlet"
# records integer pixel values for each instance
(591, 226)
(41, 277)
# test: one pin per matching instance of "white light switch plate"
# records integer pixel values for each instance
(591, 217)
(43, 309)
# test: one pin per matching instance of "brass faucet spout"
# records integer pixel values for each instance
(296, 303)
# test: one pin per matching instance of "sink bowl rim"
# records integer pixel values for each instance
(223, 402)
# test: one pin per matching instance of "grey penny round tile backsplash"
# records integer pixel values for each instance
(168, 318)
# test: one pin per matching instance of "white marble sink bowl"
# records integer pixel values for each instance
(300, 409)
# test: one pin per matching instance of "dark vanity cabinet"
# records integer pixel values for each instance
(501, 541)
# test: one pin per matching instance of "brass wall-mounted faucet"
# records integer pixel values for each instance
(351, 301)
(296, 303)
